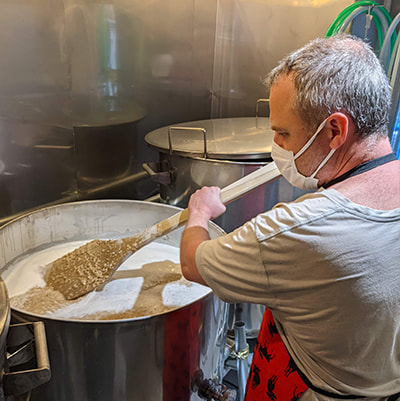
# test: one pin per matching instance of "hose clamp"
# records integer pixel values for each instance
(242, 354)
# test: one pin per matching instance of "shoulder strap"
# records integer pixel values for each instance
(362, 168)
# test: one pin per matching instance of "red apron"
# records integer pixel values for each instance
(273, 376)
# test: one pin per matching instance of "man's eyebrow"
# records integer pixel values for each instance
(275, 128)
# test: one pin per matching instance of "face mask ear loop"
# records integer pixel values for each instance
(323, 162)
(311, 140)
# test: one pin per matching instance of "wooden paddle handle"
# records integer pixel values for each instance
(228, 194)
(249, 182)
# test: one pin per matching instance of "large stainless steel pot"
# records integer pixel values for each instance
(152, 358)
(104, 139)
(214, 152)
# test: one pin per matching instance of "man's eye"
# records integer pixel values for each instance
(283, 134)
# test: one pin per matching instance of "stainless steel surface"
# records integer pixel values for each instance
(152, 358)
(250, 314)
(244, 145)
(73, 61)
(104, 153)
(5, 314)
(133, 179)
(394, 7)
(242, 353)
(246, 138)
(250, 38)
(188, 174)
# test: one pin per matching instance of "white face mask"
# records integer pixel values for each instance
(285, 161)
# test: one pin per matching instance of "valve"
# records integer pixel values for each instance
(210, 390)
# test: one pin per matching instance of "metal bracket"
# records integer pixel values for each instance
(156, 175)
(31, 338)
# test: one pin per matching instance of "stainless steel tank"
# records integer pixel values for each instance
(214, 152)
(152, 358)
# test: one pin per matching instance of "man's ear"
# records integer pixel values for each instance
(339, 124)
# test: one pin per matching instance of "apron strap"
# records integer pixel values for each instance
(325, 392)
(394, 397)
(362, 168)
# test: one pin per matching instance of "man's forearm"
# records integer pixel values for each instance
(192, 237)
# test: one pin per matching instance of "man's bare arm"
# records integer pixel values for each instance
(204, 205)
(191, 238)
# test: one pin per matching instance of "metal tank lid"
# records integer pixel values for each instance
(241, 138)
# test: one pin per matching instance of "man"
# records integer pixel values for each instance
(326, 266)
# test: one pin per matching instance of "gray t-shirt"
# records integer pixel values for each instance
(329, 270)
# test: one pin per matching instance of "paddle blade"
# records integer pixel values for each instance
(85, 268)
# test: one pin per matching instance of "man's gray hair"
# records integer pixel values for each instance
(338, 74)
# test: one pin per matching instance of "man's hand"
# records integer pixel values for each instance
(204, 205)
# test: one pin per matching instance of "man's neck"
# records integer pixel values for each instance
(378, 188)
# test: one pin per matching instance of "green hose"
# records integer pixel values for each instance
(344, 14)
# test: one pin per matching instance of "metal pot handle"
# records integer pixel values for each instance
(170, 129)
(33, 346)
(157, 176)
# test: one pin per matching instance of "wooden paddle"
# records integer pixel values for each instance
(92, 265)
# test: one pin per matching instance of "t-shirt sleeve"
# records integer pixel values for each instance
(231, 265)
